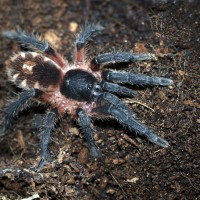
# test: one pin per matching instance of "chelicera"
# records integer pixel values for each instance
(83, 88)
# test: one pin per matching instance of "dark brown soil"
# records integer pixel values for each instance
(132, 167)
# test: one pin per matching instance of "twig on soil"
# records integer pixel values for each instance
(118, 183)
(182, 174)
(131, 101)
(127, 138)
(179, 85)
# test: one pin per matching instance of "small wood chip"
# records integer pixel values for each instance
(74, 131)
(133, 180)
(83, 156)
(73, 26)
(140, 47)
(20, 139)
(181, 73)
(34, 196)
(51, 37)
(118, 161)
(110, 191)
(71, 180)
(162, 95)
(103, 182)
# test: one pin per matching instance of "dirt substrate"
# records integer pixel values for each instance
(131, 167)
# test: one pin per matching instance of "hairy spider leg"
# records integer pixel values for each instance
(84, 122)
(119, 57)
(33, 43)
(17, 106)
(139, 79)
(118, 110)
(118, 89)
(48, 125)
(85, 36)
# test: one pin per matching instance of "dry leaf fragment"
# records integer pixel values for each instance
(133, 180)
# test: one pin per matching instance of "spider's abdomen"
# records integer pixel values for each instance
(33, 70)
(78, 85)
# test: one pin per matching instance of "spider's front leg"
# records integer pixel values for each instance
(119, 111)
(84, 122)
(33, 43)
(118, 89)
(48, 124)
(17, 106)
(86, 35)
(119, 57)
(139, 79)
(124, 77)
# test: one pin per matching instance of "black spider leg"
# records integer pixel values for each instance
(85, 36)
(29, 41)
(46, 131)
(124, 77)
(119, 57)
(17, 106)
(32, 43)
(84, 122)
(140, 79)
(119, 111)
(118, 89)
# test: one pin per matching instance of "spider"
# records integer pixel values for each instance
(82, 89)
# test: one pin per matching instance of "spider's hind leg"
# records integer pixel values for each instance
(32, 42)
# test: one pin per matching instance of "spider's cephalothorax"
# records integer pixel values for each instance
(78, 85)
(81, 89)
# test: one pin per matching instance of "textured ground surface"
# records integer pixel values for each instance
(131, 168)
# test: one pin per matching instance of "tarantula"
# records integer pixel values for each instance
(82, 89)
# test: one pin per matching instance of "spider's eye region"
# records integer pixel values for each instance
(89, 86)
(78, 85)
(96, 92)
